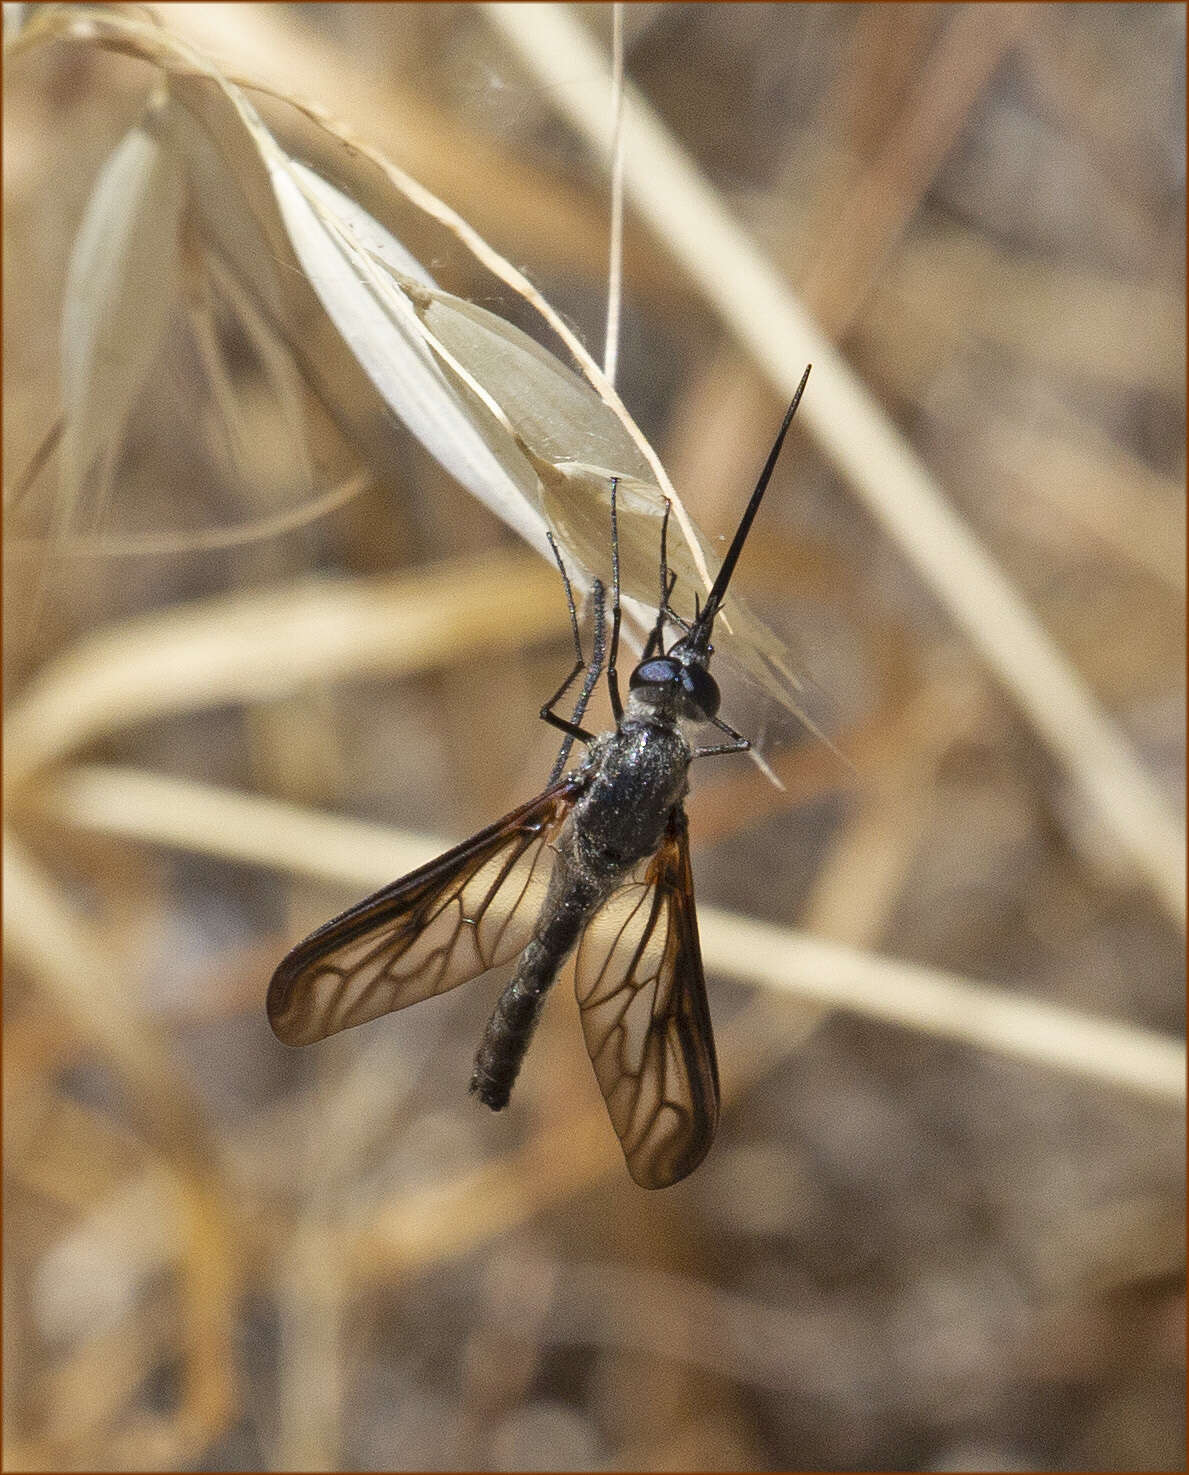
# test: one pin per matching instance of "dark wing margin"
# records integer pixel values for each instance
(449, 921)
(638, 976)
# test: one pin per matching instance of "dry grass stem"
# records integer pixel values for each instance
(268, 644)
(337, 851)
(957, 1008)
(154, 545)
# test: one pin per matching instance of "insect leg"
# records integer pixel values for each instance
(679, 620)
(666, 587)
(656, 640)
(612, 673)
(598, 652)
(739, 745)
(571, 728)
(593, 670)
(579, 658)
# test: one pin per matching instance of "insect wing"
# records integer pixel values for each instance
(642, 996)
(449, 921)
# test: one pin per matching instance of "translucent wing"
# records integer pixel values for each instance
(465, 912)
(640, 988)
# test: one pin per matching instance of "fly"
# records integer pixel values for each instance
(598, 863)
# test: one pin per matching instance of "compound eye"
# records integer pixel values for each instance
(658, 672)
(700, 691)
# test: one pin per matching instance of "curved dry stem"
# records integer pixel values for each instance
(246, 648)
(184, 815)
(147, 545)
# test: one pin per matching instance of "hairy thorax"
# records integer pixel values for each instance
(639, 772)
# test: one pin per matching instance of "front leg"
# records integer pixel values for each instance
(739, 743)
(571, 727)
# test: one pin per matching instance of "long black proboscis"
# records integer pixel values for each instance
(705, 622)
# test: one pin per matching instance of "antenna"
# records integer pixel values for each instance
(700, 634)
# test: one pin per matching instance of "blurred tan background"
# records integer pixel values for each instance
(903, 1252)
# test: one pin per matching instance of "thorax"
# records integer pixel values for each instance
(637, 774)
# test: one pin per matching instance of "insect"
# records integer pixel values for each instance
(599, 863)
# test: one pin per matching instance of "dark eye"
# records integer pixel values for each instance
(659, 672)
(700, 691)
